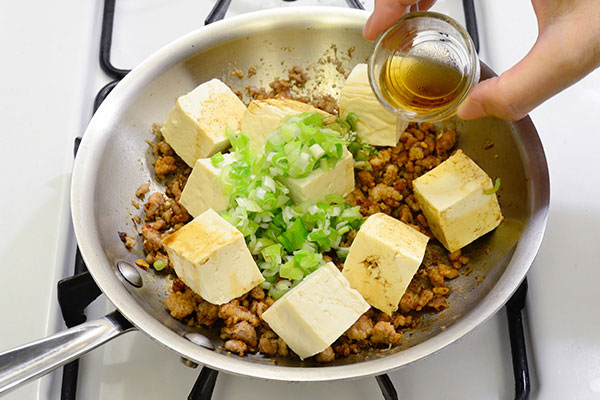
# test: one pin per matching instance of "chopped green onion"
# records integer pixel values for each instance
(159, 265)
(266, 285)
(290, 271)
(352, 119)
(293, 238)
(217, 159)
(342, 252)
(316, 151)
(288, 239)
(494, 189)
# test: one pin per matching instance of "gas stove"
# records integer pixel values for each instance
(481, 366)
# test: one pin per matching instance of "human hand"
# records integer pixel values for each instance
(567, 49)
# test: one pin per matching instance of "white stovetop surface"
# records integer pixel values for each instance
(50, 77)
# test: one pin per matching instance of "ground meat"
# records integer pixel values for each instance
(435, 277)
(297, 75)
(206, 313)
(152, 238)
(401, 320)
(408, 301)
(384, 333)
(326, 356)
(175, 187)
(268, 343)
(424, 297)
(236, 346)
(153, 204)
(127, 240)
(416, 152)
(181, 304)
(438, 302)
(365, 179)
(164, 165)
(258, 308)
(441, 290)
(178, 285)
(164, 215)
(251, 71)
(142, 190)
(326, 103)
(447, 272)
(390, 175)
(288, 89)
(233, 313)
(361, 329)
(445, 141)
(164, 148)
(257, 293)
(241, 331)
(237, 73)
(386, 194)
(346, 348)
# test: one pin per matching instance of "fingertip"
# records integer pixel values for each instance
(368, 30)
(470, 109)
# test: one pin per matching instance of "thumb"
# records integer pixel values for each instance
(514, 93)
(550, 66)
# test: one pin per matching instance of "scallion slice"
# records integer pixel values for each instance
(496, 187)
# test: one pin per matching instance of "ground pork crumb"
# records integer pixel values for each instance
(237, 73)
(206, 313)
(164, 165)
(326, 356)
(142, 190)
(268, 343)
(127, 240)
(180, 304)
(384, 333)
(232, 313)
(361, 329)
(241, 331)
(236, 346)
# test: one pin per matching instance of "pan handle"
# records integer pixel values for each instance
(35, 359)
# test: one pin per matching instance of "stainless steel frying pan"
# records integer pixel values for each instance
(113, 161)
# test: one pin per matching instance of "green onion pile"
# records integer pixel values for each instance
(288, 239)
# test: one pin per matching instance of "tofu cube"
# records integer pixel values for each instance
(453, 199)
(195, 127)
(204, 187)
(376, 125)
(311, 316)
(383, 258)
(210, 256)
(263, 117)
(320, 183)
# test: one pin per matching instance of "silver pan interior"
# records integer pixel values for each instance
(113, 161)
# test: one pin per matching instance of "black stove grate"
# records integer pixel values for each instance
(80, 290)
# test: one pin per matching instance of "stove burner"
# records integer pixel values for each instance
(77, 292)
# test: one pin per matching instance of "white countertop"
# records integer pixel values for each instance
(50, 77)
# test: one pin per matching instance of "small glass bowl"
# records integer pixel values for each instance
(430, 35)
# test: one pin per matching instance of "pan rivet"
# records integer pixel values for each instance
(200, 340)
(130, 274)
(188, 363)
